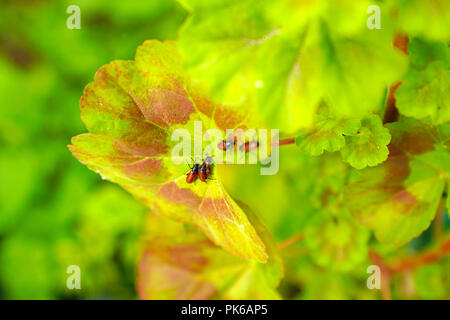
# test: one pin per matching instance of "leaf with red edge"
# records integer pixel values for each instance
(399, 198)
(182, 264)
(131, 110)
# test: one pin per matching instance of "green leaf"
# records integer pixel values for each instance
(425, 90)
(399, 198)
(183, 264)
(328, 134)
(424, 18)
(284, 58)
(347, 73)
(369, 146)
(131, 110)
(336, 242)
(448, 200)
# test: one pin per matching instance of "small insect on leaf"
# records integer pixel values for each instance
(192, 175)
(205, 169)
(131, 110)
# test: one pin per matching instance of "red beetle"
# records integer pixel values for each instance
(205, 169)
(192, 175)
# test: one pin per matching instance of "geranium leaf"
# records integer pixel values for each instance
(183, 264)
(338, 242)
(131, 109)
(399, 198)
(369, 146)
(425, 90)
(286, 57)
(328, 134)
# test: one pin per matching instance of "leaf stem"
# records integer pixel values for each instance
(284, 142)
(385, 275)
(413, 262)
(427, 257)
(290, 241)
(391, 113)
(406, 264)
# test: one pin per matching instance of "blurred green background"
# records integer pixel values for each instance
(54, 212)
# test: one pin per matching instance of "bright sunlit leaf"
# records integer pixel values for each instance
(130, 110)
(286, 57)
(369, 146)
(328, 135)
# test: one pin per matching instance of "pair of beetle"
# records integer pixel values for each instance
(203, 171)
